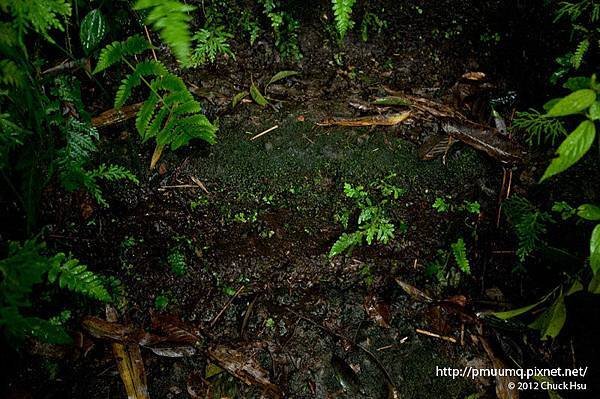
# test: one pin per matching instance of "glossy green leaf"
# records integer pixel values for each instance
(92, 30)
(589, 212)
(594, 111)
(572, 149)
(257, 96)
(509, 314)
(595, 250)
(573, 103)
(575, 288)
(577, 83)
(550, 103)
(594, 285)
(552, 320)
(282, 75)
(238, 97)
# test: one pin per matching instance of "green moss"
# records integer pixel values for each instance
(306, 165)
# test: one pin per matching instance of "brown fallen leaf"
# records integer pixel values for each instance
(459, 300)
(376, 120)
(175, 330)
(414, 291)
(103, 329)
(243, 367)
(377, 310)
(130, 364)
(485, 139)
(502, 382)
(435, 146)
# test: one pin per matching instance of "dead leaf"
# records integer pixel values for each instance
(173, 351)
(100, 328)
(377, 310)
(485, 139)
(196, 387)
(414, 292)
(175, 330)
(502, 383)
(474, 76)
(375, 120)
(243, 367)
(162, 168)
(435, 146)
(158, 150)
(459, 300)
(130, 364)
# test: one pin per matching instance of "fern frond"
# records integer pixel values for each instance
(173, 118)
(580, 52)
(116, 51)
(108, 173)
(11, 136)
(144, 115)
(346, 242)
(134, 79)
(19, 326)
(209, 44)
(459, 250)
(539, 127)
(342, 10)
(11, 74)
(76, 277)
(39, 15)
(529, 223)
(21, 270)
(170, 18)
(114, 172)
(8, 34)
(81, 141)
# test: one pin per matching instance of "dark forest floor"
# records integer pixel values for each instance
(267, 220)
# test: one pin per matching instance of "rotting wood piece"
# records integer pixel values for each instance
(116, 115)
(485, 139)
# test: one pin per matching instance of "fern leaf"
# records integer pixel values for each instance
(19, 326)
(11, 74)
(134, 79)
(144, 115)
(39, 15)
(115, 172)
(580, 52)
(116, 51)
(193, 127)
(459, 250)
(81, 138)
(345, 242)
(171, 19)
(342, 9)
(74, 276)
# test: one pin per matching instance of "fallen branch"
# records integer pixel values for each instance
(114, 115)
(434, 335)
(377, 120)
(265, 132)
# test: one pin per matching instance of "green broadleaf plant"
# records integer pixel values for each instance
(92, 30)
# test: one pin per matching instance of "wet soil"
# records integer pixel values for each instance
(267, 217)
